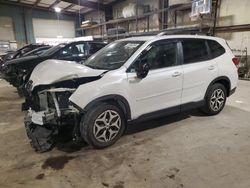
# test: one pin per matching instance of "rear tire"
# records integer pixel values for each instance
(215, 99)
(102, 125)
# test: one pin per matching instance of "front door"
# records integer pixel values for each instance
(161, 89)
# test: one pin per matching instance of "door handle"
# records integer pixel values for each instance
(211, 67)
(176, 74)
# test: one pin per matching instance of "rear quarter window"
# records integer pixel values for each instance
(216, 49)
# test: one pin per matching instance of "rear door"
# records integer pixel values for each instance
(199, 69)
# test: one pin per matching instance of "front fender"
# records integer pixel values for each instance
(110, 84)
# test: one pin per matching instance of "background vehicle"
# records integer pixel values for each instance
(9, 55)
(20, 52)
(37, 51)
(17, 71)
(129, 80)
(3, 54)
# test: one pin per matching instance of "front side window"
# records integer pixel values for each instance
(41, 51)
(114, 55)
(194, 50)
(80, 49)
(54, 49)
(23, 51)
(74, 50)
(158, 56)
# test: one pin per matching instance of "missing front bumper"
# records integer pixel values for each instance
(41, 118)
(41, 138)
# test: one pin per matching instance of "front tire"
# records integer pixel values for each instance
(102, 125)
(215, 99)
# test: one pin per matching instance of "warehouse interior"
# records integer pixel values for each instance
(185, 150)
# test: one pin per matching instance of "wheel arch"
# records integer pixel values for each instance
(224, 80)
(119, 100)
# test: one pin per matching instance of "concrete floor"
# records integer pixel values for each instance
(186, 150)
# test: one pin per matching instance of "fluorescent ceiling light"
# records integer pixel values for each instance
(57, 9)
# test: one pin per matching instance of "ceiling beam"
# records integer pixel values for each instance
(85, 3)
(32, 6)
(68, 7)
(86, 10)
(37, 2)
(54, 4)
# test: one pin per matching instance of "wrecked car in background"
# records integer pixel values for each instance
(18, 71)
(20, 52)
(37, 51)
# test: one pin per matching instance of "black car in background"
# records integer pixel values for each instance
(20, 52)
(37, 51)
(18, 71)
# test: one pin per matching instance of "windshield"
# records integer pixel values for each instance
(114, 55)
(53, 50)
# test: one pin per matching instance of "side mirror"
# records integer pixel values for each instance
(143, 70)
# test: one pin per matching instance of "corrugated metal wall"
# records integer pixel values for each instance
(23, 17)
(6, 29)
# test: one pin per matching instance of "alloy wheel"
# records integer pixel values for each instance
(107, 126)
(217, 100)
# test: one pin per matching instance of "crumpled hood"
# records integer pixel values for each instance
(53, 71)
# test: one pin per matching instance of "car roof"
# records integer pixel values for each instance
(87, 41)
(161, 37)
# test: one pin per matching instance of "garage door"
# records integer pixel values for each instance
(6, 29)
(44, 28)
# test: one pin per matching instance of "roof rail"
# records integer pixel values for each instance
(162, 33)
(167, 33)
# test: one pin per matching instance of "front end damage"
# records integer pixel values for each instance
(49, 115)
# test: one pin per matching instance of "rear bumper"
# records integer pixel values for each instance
(232, 91)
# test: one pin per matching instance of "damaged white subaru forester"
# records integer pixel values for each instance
(131, 79)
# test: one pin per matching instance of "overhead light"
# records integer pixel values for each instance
(57, 9)
(59, 36)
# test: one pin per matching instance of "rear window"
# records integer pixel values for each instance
(216, 49)
(194, 50)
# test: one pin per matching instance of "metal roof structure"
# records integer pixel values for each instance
(66, 6)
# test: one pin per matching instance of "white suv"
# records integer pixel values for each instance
(131, 79)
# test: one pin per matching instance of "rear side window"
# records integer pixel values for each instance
(194, 50)
(216, 49)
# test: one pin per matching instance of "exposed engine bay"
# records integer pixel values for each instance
(49, 110)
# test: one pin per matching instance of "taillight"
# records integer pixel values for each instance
(236, 61)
